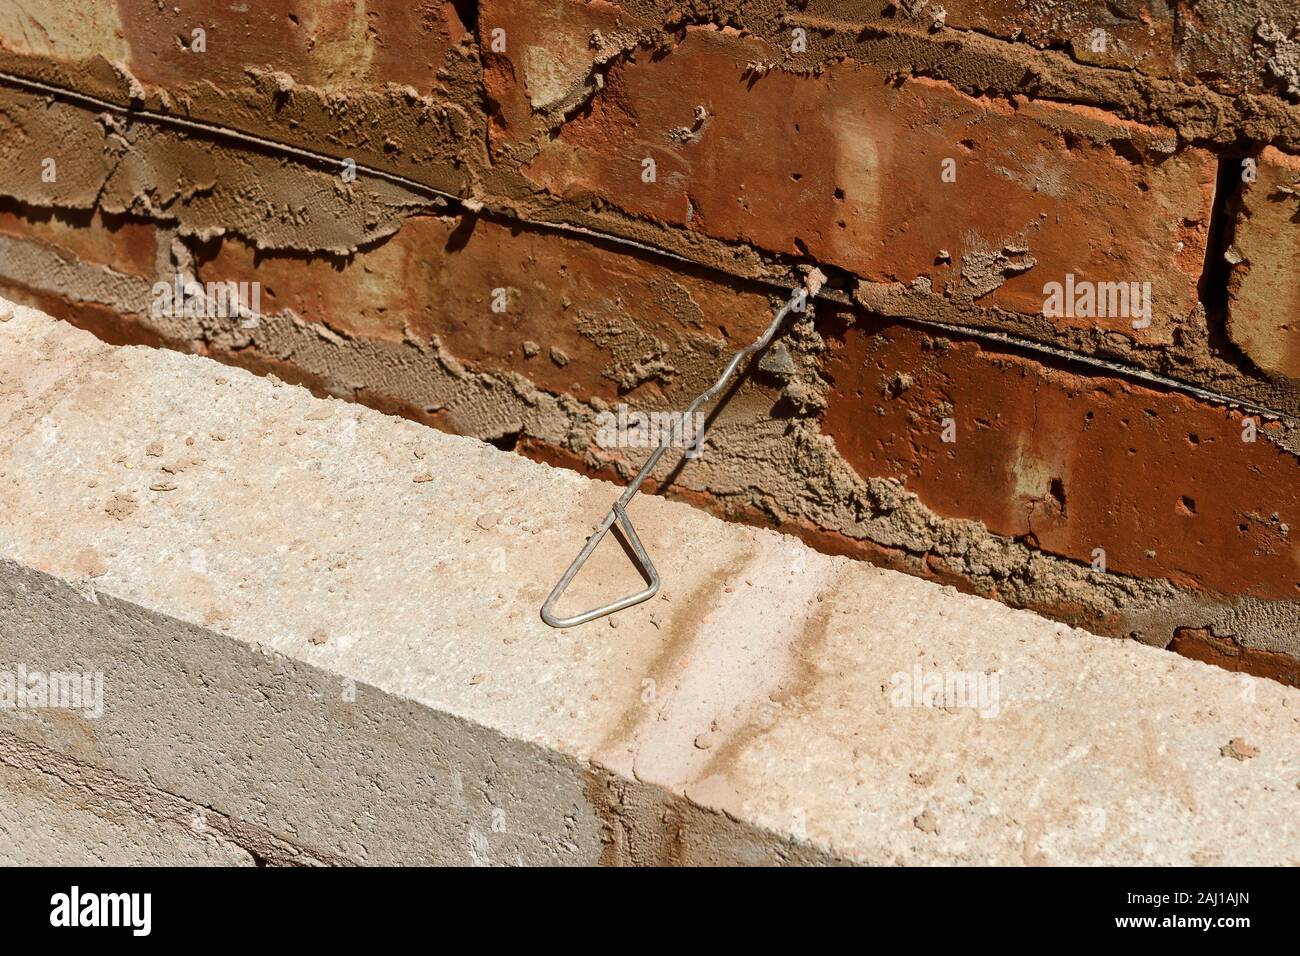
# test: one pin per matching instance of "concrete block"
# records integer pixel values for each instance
(320, 623)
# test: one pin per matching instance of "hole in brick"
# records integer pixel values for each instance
(839, 194)
(467, 11)
(1217, 269)
(1056, 488)
(1186, 506)
(796, 176)
(459, 237)
(507, 442)
(1126, 149)
(1193, 438)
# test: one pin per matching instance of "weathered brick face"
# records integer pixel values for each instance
(539, 60)
(326, 43)
(945, 172)
(1264, 304)
(390, 85)
(714, 141)
(124, 245)
(575, 319)
(1070, 463)
(849, 168)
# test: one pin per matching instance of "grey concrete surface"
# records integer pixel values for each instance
(57, 813)
(320, 624)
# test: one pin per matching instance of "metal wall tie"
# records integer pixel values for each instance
(618, 512)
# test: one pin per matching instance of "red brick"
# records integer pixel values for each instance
(123, 245)
(549, 54)
(1163, 483)
(1199, 644)
(329, 43)
(844, 167)
(389, 84)
(601, 312)
(1264, 301)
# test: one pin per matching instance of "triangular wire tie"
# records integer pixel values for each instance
(618, 512)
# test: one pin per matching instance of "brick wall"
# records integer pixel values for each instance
(506, 218)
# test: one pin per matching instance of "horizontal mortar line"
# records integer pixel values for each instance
(470, 204)
(474, 206)
(214, 129)
(1154, 378)
(911, 32)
